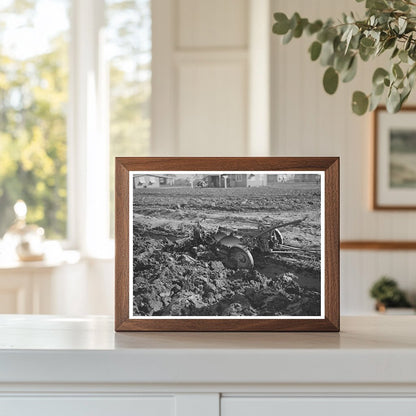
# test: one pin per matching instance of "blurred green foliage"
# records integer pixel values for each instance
(33, 97)
(387, 292)
(33, 110)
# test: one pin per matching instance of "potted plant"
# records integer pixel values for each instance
(387, 294)
(389, 27)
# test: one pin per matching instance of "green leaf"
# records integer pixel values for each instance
(376, 4)
(366, 53)
(351, 71)
(328, 33)
(397, 71)
(298, 30)
(403, 56)
(359, 103)
(336, 42)
(294, 20)
(315, 50)
(367, 42)
(341, 61)
(355, 41)
(327, 53)
(400, 5)
(379, 75)
(404, 96)
(395, 52)
(378, 89)
(281, 27)
(389, 43)
(330, 80)
(374, 102)
(314, 27)
(332, 33)
(288, 37)
(366, 48)
(393, 101)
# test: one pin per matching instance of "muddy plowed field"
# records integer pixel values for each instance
(176, 267)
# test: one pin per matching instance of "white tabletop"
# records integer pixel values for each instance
(57, 349)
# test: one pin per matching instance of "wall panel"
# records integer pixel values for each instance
(212, 24)
(212, 108)
(200, 77)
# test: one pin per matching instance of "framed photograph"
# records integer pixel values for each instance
(227, 244)
(394, 179)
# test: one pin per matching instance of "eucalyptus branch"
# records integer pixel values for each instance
(389, 25)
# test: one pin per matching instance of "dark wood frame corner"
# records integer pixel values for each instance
(330, 165)
(375, 205)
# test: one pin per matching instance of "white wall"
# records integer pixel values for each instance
(308, 122)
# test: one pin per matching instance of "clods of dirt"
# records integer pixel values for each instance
(184, 278)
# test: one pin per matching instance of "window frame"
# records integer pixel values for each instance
(87, 133)
(87, 128)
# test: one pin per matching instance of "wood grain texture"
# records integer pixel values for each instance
(330, 165)
(378, 245)
(376, 204)
(332, 225)
(121, 244)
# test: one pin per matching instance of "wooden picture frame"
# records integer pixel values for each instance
(142, 173)
(394, 184)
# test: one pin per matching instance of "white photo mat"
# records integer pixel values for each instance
(322, 247)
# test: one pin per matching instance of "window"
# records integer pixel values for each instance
(129, 43)
(33, 103)
(75, 87)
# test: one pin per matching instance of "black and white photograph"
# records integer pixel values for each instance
(227, 244)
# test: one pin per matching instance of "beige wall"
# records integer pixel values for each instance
(308, 122)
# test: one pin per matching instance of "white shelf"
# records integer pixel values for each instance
(48, 349)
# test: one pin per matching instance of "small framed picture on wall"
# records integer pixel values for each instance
(394, 177)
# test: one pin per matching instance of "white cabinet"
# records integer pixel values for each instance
(51, 365)
(88, 406)
(268, 406)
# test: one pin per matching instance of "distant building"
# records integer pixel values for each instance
(237, 181)
(233, 181)
(254, 180)
(151, 181)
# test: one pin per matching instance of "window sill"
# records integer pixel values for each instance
(59, 259)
